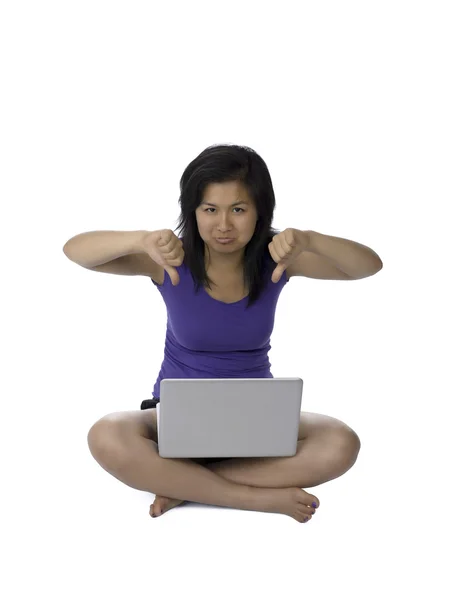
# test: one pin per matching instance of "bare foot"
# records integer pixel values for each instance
(295, 503)
(161, 504)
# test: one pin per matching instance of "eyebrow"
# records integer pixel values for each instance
(235, 203)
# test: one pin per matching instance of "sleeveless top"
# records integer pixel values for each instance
(210, 339)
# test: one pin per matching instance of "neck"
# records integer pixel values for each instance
(223, 263)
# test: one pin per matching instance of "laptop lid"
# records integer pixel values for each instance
(207, 418)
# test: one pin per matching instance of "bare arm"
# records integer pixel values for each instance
(115, 252)
(98, 247)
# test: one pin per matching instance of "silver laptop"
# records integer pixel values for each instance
(224, 418)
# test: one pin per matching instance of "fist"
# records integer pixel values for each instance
(285, 249)
(166, 249)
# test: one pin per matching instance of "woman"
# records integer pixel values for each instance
(225, 274)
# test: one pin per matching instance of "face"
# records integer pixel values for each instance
(226, 211)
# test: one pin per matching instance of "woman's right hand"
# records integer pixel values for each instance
(166, 249)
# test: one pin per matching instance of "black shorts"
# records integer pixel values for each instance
(149, 403)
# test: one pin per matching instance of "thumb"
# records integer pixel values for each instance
(277, 273)
(173, 274)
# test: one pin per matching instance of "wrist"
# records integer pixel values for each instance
(311, 240)
(306, 239)
(138, 239)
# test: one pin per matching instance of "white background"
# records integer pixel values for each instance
(103, 105)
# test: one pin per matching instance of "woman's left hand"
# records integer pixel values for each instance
(285, 248)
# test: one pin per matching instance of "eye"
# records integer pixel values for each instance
(236, 208)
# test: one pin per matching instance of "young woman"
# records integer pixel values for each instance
(224, 275)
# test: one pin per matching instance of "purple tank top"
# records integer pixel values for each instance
(210, 339)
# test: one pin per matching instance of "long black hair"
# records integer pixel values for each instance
(219, 164)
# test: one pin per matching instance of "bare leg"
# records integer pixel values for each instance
(326, 449)
(134, 460)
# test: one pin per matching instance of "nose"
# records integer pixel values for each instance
(224, 223)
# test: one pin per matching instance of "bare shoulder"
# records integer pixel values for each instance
(133, 264)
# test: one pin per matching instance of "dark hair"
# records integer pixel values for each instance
(219, 164)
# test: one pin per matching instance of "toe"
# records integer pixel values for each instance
(313, 503)
(307, 499)
(157, 507)
(308, 511)
(302, 518)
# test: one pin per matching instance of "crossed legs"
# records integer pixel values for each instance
(326, 449)
(125, 444)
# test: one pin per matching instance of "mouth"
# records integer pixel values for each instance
(225, 240)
